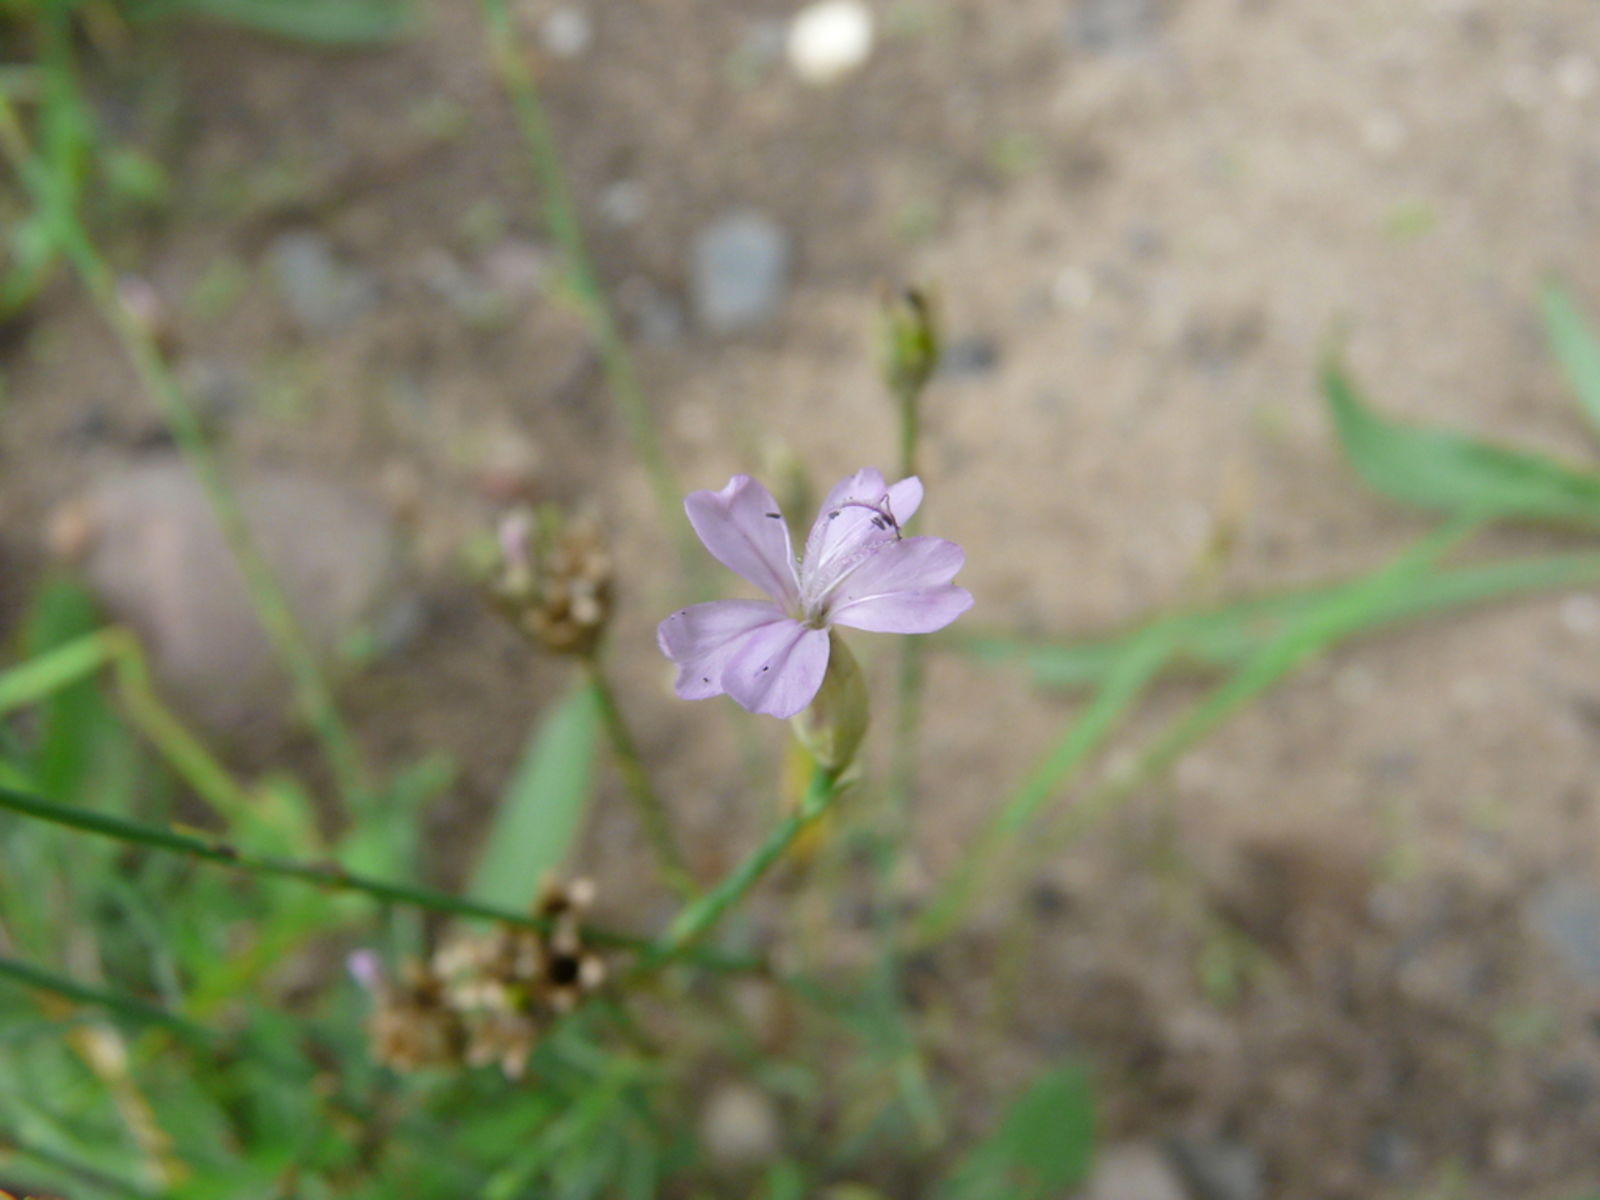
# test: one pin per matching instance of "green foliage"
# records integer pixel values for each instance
(1450, 472)
(332, 22)
(1041, 1148)
(542, 809)
(1576, 349)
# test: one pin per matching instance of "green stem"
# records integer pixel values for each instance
(314, 696)
(510, 63)
(324, 874)
(697, 918)
(653, 813)
(140, 1012)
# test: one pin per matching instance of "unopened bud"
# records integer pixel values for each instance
(833, 727)
(910, 325)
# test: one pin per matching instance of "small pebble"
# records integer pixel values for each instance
(321, 293)
(740, 272)
(1565, 915)
(830, 40)
(567, 32)
(1580, 615)
(739, 1126)
(1133, 1171)
(1220, 1169)
(969, 356)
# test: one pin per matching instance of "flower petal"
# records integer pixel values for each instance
(778, 668)
(702, 638)
(853, 521)
(921, 610)
(744, 530)
(903, 588)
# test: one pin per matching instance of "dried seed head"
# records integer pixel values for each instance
(554, 579)
(485, 997)
(413, 1026)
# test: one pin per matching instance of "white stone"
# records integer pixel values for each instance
(829, 40)
(567, 32)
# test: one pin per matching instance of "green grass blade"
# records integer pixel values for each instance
(129, 1008)
(1575, 347)
(332, 22)
(542, 809)
(1336, 618)
(1224, 637)
(43, 676)
(1449, 472)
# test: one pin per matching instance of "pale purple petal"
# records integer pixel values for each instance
(922, 610)
(744, 530)
(702, 638)
(778, 668)
(905, 498)
(859, 514)
(904, 587)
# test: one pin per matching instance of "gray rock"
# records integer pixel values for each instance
(1114, 26)
(968, 357)
(740, 272)
(1565, 915)
(1134, 1171)
(321, 293)
(1219, 1169)
(155, 556)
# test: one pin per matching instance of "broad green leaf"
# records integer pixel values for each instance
(1575, 347)
(1043, 1146)
(542, 808)
(1449, 472)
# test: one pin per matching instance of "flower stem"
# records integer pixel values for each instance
(141, 1012)
(283, 630)
(509, 61)
(653, 813)
(698, 917)
(324, 874)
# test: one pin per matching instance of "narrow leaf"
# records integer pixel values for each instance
(1449, 472)
(542, 809)
(1575, 347)
(1222, 637)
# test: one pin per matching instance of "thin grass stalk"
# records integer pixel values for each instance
(312, 691)
(1346, 612)
(698, 918)
(508, 58)
(329, 875)
(653, 814)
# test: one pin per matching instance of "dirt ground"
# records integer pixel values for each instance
(1316, 941)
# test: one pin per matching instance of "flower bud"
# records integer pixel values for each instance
(833, 727)
(910, 332)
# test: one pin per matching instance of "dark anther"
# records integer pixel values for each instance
(776, 516)
(564, 968)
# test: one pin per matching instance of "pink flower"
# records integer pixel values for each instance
(858, 570)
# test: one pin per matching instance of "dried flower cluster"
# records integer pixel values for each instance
(485, 998)
(554, 581)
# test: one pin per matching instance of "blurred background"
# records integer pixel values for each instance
(1349, 945)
